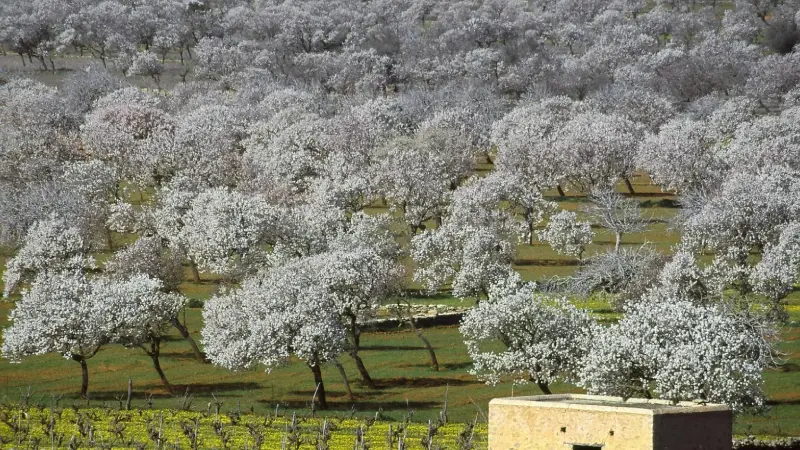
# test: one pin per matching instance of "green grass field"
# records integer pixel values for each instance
(397, 360)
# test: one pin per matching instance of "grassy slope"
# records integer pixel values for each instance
(396, 359)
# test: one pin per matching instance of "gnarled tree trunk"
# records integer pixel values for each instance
(629, 185)
(345, 380)
(84, 374)
(362, 370)
(185, 333)
(195, 272)
(544, 387)
(154, 353)
(320, 390)
(355, 345)
(431, 352)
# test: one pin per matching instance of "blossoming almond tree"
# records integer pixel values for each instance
(474, 246)
(418, 173)
(223, 230)
(777, 272)
(360, 270)
(68, 313)
(567, 235)
(57, 314)
(272, 317)
(524, 139)
(50, 246)
(680, 350)
(747, 212)
(598, 150)
(138, 313)
(544, 339)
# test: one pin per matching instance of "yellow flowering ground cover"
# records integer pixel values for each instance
(108, 428)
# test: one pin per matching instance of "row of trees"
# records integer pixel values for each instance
(664, 50)
(261, 171)
(682, 340)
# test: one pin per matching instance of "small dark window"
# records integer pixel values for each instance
(587, 447)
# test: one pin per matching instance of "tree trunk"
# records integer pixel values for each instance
(323, 402)
(560, 191)
(195, 272)
(345, 380)
(361, 369)
(84, 374)
(629, 185)
(185, 333)
(355, 338)
(431, 352)
(618, 237)
(355, 332)
(531, 226)
(130, 394)
(155, 351)
(544, 387)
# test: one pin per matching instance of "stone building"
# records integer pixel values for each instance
(591, 422)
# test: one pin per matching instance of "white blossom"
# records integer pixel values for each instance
(748, 210)
(474, 246)
(598, 149)
(223, 229)
(50, 246)
(566, 234)
(680, 350)
(777, 272)
(284, 313)
(57, 314)
(544, 339)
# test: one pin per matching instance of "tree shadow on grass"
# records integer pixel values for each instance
(788, 367)
(645, 194)
(423, 365)
(209, 388)
(422, 382)
(458, 366)
(390, 347)
(547, 262)
(338, 402)
(186, 355)
(158, 391)
(172, 338)
(783, 401)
